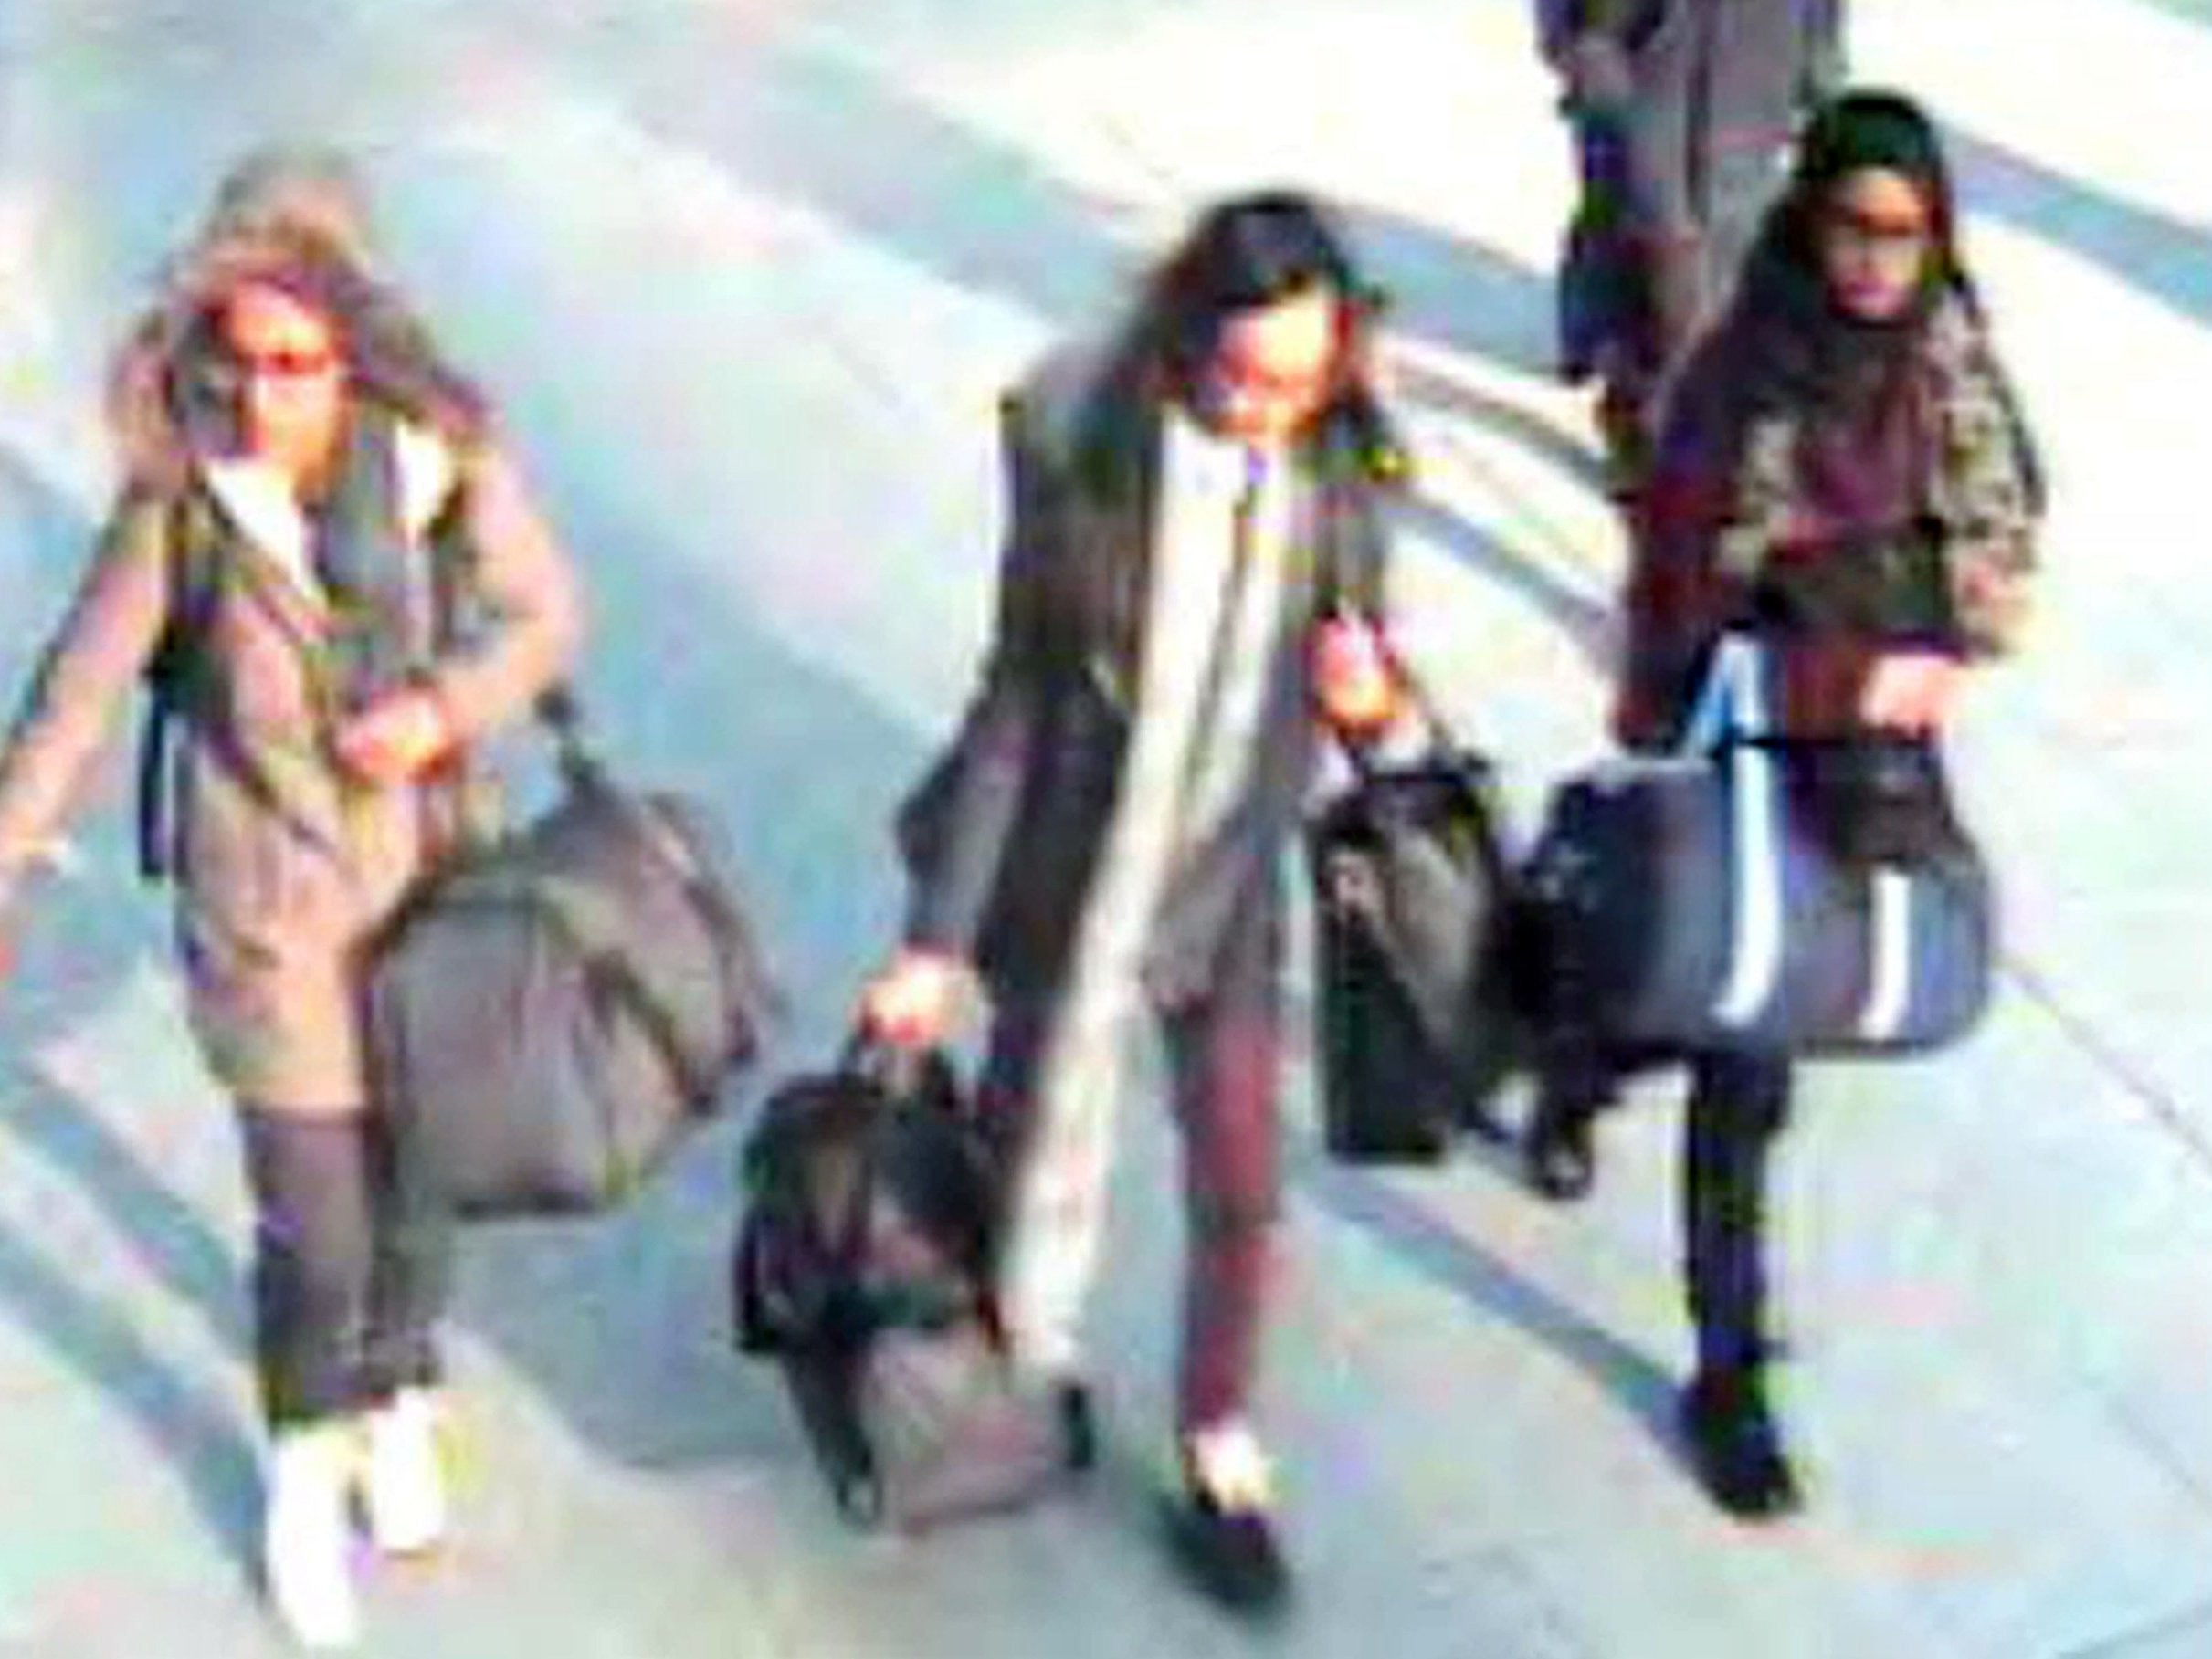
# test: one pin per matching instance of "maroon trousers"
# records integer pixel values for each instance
(1223, 1050)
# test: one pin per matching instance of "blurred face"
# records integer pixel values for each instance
(1274, 369)
(1876, 236)
(290, 379)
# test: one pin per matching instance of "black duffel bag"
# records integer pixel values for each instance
(1415, 1022)
(863, 1266)
(555, 1008)
(1811, 900)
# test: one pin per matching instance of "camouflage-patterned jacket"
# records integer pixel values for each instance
(1840, 544)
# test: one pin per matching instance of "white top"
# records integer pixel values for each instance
(1182, 768)
(259, 502)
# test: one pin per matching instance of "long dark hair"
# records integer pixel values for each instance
(1242, 254)
(171, 391)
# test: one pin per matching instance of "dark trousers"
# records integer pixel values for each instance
(1646, 268)
(1223, 1051)
(1605, 322)
(350, 1264)
(1738, 1102)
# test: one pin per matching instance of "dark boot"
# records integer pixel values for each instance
(1737, 1105)
(1735, 1447)
(1560, 1153)
(1573, 1083)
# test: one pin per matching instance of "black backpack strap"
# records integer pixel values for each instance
(154, 806)
(169, 674)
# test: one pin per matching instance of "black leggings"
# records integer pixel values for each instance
(1738, 1104)
(350, 1264)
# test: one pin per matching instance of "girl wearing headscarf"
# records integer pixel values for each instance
(298, 463)
(1845, 471)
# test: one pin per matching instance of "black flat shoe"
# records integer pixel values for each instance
(1231, 1555)
(1735, 1448)
(1560, 1156)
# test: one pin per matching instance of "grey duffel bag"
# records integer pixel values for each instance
(555, 1008)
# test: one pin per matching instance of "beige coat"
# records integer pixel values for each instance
(287, 865)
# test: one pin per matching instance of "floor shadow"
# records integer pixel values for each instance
(613, 1320)
(1579, 461)
(984, 215)
(169, 1239)
(1455, 292)
(621, 1324)
(981, 214)
(1586, 622)
(2168, 258)
(1458, 1266)
(197, 1433)
(79, 947)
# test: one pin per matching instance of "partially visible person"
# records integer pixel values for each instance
(295, 455)
(1191, 590)
(1682, 113)
(1843, 473)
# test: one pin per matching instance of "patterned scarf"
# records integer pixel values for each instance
(1981, 487)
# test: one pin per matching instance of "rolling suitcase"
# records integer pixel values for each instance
(863, 1269)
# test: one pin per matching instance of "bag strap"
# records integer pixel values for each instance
(1444, 743)
(154, 808)
(894, 1073)
(558, 714)
(1732, 703)
(584, 771)
(1730, 721)
(187, 610)
(895, 1069)
(453, 592)
(593, 925)
(192, 596)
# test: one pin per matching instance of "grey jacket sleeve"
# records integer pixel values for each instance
(90, 667)
(954, 828)
(525, 575)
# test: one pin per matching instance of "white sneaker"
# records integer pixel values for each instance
(305, 1535)
(404, 1482)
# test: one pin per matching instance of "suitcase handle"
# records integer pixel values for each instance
(1443, 744)
(890, 1067)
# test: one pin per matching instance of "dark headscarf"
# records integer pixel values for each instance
(1810, 352)
(1798, 426)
